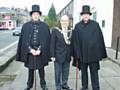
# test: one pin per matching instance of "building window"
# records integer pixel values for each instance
(9, 23)
(103, 23)
(94, 15)
(3, 16)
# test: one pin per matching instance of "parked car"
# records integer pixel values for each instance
(17, 31)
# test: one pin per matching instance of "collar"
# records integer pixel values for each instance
(35, 22)
(86, 23)
(58, 29)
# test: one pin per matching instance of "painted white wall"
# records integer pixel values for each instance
(104, 9)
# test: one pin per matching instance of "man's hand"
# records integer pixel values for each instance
(53, 59)
(38, 52)
(33, 51)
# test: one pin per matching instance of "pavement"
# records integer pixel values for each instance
(7, 54)
(112, 54)
(109, 75)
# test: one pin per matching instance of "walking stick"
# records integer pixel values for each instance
(34, 72)
(35, 87)
(76, 74)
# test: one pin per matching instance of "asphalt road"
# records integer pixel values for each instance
(6, 38)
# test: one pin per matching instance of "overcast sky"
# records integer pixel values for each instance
(44, 4)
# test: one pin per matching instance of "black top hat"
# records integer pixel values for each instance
(35, 8)
(86, 10)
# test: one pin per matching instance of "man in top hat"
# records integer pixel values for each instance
(89, 48)
(33, 47)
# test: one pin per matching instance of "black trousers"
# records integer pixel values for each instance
(31, 77)
(94, 67)
(61, 74)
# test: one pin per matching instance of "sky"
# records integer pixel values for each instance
(44, 4)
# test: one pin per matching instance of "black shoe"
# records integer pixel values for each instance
(66, 88)
(44, 88)
(27, 88)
